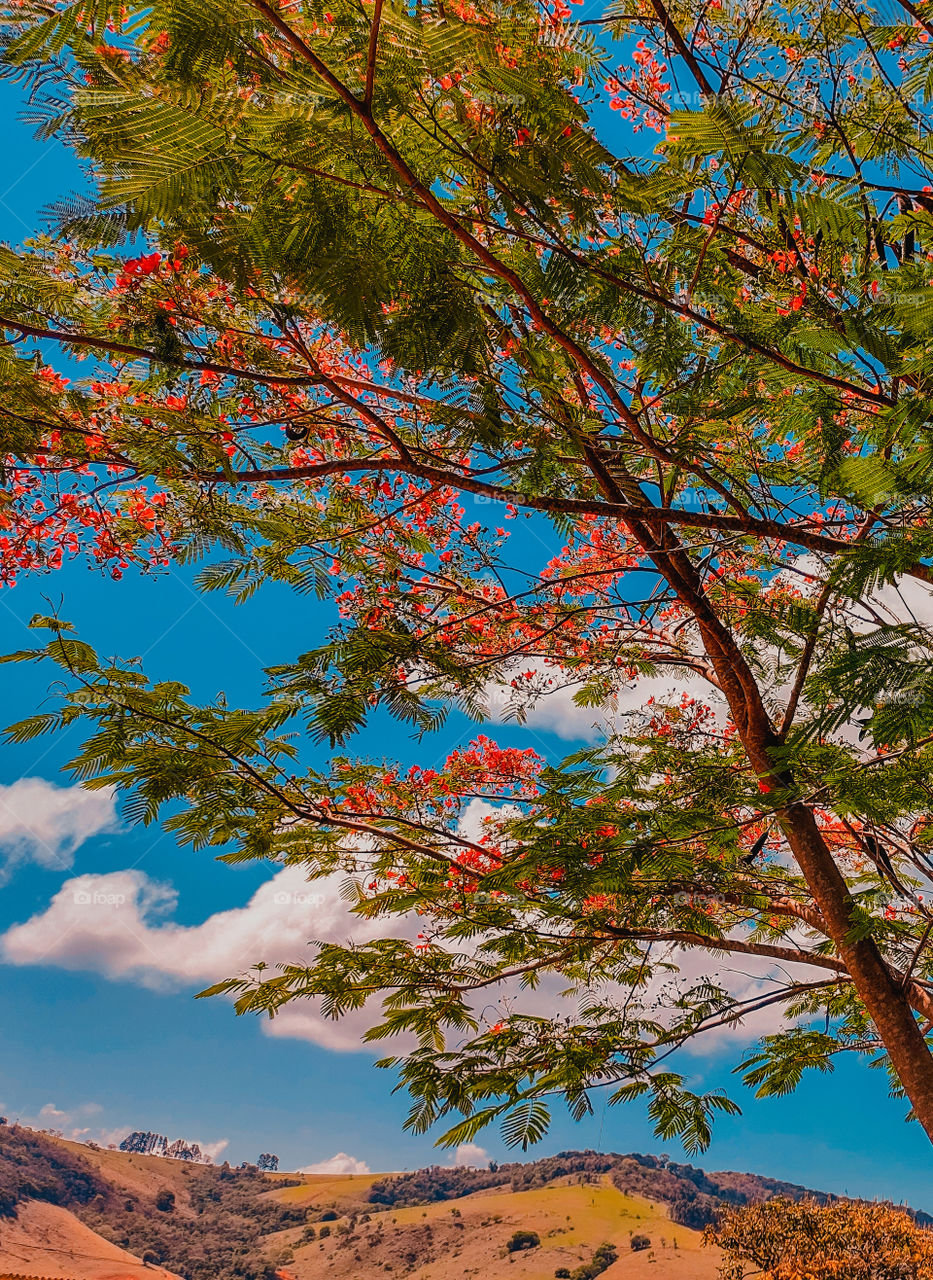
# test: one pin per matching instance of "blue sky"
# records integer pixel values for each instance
(100, 1030)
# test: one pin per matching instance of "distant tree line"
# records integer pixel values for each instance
(440, 1182)
(695, 1198)
(147, 1143)
(143, 1142)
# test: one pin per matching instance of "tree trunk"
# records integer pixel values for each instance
(883, 997)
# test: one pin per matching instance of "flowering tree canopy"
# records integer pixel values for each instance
(364, 290)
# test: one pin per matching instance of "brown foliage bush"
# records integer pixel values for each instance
(787, 1240)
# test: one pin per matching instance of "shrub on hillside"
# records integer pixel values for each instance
(640, 1242)
(523, 1240)
(601, 1261)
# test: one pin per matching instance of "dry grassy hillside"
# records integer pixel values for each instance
(46, 1240)
(143, 1176)
(92, 1214)
(332, 1190)
(467, 1238)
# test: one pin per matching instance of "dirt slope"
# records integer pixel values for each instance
(45, 1240)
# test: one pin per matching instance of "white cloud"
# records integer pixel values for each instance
(306, 1022)
(51, 1114)
(42, 823)
(115, 925)
(470, 1156)
(214, 1149)
(907, 600)
(472, 824)
(340, 1163)
(73, 1122)
(118, 925)
(554, 710)
(757, 978)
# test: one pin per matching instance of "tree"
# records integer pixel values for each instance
(165, 1200)
(782, 1239)
(520, 1240)
(145, 1143)
(267, 1163)
(603, 1258)
(639, 1243)
(396, 294)
(182, 1150)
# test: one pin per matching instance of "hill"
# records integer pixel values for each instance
(692, 1196)
(470, 1238)
(73, 1212)
(194, 1221)
(49, 1241)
